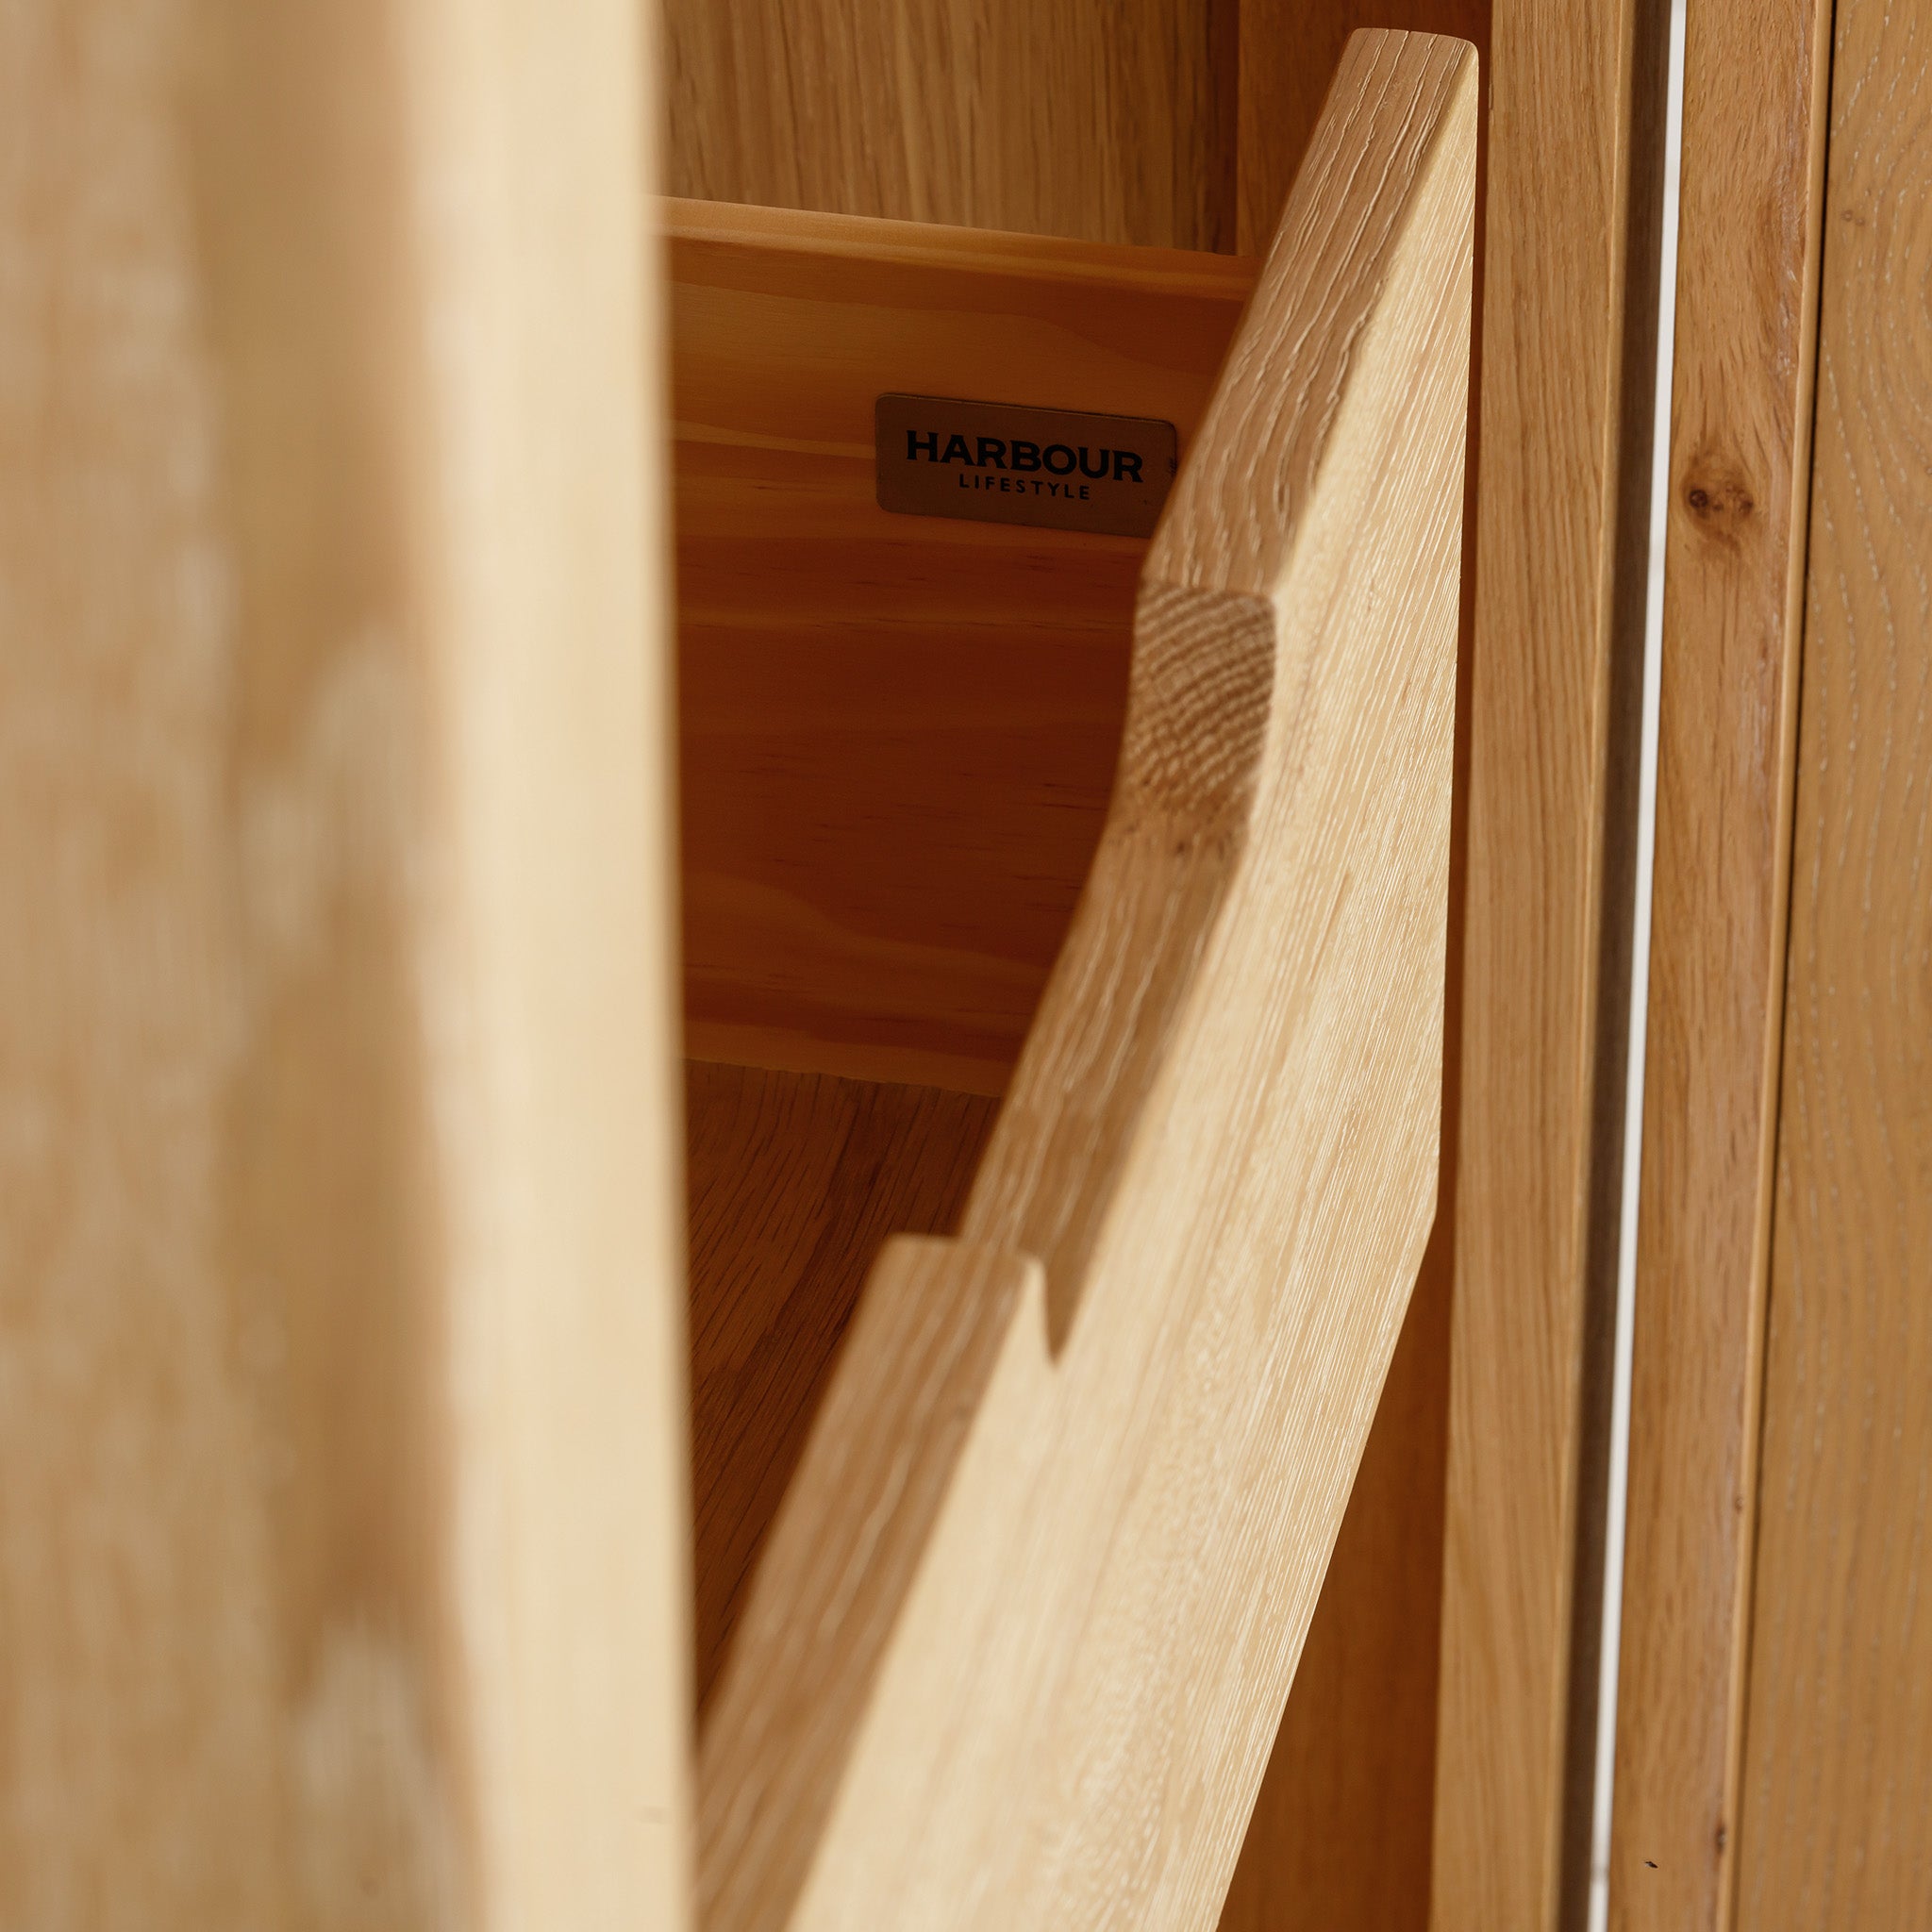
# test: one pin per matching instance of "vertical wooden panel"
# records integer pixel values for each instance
(1105, 120)
(1837, 1829)
(1754, 113)
(137, 1675)
(1569, 308)
(341, 1574)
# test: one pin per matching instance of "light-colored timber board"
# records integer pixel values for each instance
(1568, 312)
(1363, 1706)
(1837, 1787)
(898, 733)
(338, 1174)
(1740, 413)
(1343, 1824)
(1343, 1827)
(975, 1680)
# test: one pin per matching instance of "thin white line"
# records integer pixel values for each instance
(1617, 1513)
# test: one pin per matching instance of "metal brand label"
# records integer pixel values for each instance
(1003, 463)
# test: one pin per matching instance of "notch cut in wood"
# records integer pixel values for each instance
(1024, 1633)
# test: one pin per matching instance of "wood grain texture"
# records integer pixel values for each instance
(1057, 1666)
(338, 1202)
(1097, 119)
(898, 732)
(1837, 1828)
(794, 1182)
(1343, 1824)
(898, 737)
(1747, 260)
(1288, 52)
(1576, 135)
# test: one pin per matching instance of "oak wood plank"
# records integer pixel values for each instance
(1746, 304)
(1056, 1664)
(338, 1231)
(895, 762)
(1837, 1783)
(1573, 201)
(1342, 1827)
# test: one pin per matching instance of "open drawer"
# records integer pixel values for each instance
(1063, 922)
(1064, 952)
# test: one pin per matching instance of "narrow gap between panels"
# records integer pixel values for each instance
(1616, 1515)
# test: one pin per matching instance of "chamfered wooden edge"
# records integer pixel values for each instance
(1317, 520)
(1212, 689)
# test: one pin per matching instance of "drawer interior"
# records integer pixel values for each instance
(898, 734)
(898, 738)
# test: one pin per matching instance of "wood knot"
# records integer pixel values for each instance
(1720, 503)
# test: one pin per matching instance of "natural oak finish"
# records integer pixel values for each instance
(1019, 1643)
(1095, 120)
(898, 737)
(1836, 1827)
(898, 732)
(1747, 284)
(343, 1578)
(796, 1180)
(1573, 193)
(1343, 1823)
